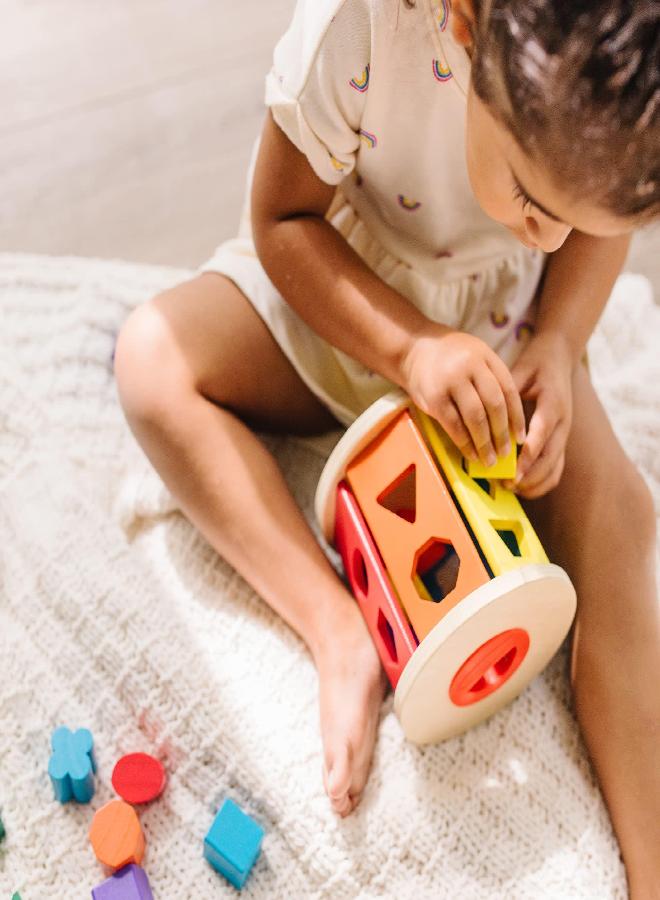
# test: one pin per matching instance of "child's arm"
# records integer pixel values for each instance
(454, 377)
(578, 282)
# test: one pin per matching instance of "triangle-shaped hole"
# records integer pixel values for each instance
(400, 496)
(484, 484)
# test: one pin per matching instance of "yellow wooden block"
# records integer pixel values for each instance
(498, 521)
(505, 467)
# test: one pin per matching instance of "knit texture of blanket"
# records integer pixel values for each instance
(118, 616)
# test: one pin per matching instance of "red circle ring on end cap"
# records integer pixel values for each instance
(489, 667)
(138, 777)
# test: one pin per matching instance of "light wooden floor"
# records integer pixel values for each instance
(126, 126)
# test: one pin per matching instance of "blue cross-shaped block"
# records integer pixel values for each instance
(71, 766)
(233, 843)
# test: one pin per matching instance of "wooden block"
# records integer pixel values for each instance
(410, 511)
(233, 843)
(71, 766)
(504, 532)
(505, 467)
(116, 835)
(138, 777)
(372, 588)
(129, 883)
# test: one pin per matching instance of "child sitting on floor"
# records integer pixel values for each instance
(441, 200)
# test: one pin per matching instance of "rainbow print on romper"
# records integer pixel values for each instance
(337, 165)
(442, 14)
(362, 83)
(369, 139)
(405, 203)
(523, 330)
(499, 320)
(441, 71)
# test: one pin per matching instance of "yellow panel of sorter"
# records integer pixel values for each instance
(499, 523)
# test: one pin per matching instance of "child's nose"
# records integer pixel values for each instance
(549, 235)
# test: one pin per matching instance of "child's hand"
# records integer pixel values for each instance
(457, 379)
(543, 375)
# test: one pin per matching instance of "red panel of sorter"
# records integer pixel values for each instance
(387, 623)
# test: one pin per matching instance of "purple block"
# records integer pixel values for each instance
(129, 883)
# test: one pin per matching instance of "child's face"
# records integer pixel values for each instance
(503, 179)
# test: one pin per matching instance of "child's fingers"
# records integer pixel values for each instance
(538, 433)
(540, 474)
(551, 480)
(512, 396)
(492, 397)
(475, 419)
(451, 421)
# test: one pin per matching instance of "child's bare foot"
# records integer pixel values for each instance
(352, 684)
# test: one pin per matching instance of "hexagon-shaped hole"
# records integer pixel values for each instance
(400, 496)
(436, 568)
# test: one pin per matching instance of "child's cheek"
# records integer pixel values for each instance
(486, 184)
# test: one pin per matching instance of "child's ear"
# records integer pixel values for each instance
(462, 21)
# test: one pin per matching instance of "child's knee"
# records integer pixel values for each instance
(146, 365)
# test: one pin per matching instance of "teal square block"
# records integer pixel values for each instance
(233, 843)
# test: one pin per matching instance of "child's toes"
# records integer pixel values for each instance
(355, 800)
(338, 775)
(343, 807)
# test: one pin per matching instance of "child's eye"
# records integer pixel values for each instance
(519, 194)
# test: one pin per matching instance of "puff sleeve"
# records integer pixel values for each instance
(317, 87)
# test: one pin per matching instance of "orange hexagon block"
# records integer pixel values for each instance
(116, 835)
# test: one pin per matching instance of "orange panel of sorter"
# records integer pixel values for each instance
(426, 548)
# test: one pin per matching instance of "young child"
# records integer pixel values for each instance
(441, 200)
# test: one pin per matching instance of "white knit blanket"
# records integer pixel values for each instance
(117, 616)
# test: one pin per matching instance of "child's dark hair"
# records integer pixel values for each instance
(577, 84)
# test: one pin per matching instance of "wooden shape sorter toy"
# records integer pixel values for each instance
(414, 523)
(458, 594)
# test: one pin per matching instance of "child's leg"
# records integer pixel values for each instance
(190, 365)
(599, 524)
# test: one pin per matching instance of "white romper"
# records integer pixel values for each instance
(374, 94)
